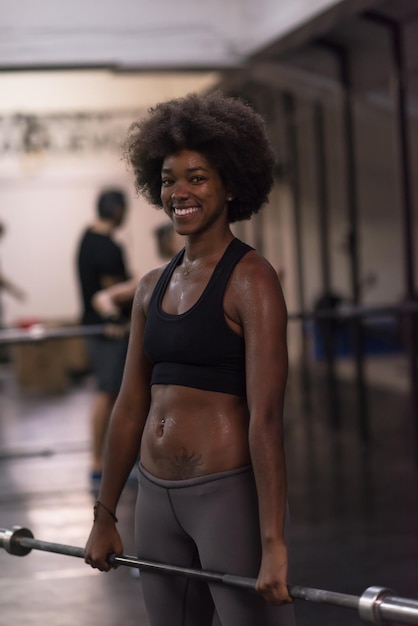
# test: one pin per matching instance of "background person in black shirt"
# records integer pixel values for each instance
(101, 264)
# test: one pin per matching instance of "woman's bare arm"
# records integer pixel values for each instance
(263, 316)
(124, 436)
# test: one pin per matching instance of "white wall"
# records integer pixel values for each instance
(44, 217)
(89, 90)
(48, 197)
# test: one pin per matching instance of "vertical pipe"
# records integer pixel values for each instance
(411, 326)
(289, 107)
(358, 343)
(328, 326)
(323, 208)
(261, 103)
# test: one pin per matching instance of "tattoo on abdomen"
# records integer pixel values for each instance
(186, 465)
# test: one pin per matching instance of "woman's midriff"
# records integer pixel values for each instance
(190, 432)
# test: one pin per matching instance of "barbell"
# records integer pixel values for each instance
(41, 332)
(376, 604)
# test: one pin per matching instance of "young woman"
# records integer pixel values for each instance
(204, 383)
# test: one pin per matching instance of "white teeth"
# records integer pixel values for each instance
(186, 211)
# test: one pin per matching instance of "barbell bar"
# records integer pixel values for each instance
(376, 604)
(40, 332)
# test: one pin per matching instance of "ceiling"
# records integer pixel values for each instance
(152, 35)
(218, 42)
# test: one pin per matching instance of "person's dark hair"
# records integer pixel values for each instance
(227, 131)
(110, 203)
(164, 236)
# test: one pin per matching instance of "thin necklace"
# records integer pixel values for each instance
(193, 267)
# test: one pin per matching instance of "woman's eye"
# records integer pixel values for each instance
(166, 182)
(197, 179)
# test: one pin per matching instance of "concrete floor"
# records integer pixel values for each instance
(354, 507)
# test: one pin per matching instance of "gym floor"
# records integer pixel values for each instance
(354, 506)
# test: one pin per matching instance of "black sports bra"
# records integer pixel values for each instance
(197, 348)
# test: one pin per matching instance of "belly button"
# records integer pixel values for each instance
(161, 427)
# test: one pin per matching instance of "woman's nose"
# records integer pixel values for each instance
(180, 191)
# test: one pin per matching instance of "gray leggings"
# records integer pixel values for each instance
(210, 522)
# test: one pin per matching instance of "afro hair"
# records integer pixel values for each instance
(227, 131)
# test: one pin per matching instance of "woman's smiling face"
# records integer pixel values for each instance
(192, 191)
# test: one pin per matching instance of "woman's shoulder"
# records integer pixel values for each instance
(149, 280)
(147, 285)
(254, 279)
(254, 267)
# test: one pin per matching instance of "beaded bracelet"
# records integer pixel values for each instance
(96, 506)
